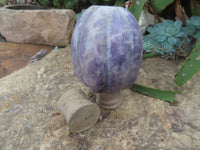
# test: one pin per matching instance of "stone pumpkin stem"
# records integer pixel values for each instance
(109, 100)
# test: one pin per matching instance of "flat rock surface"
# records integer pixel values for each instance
(30, 119)
(50, 27)
(15, 56)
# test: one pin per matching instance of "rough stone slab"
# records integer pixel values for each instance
(15, 56)
(30, 118)
(49, 27)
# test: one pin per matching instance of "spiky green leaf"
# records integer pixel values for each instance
(159, 5)
(136, 8)
(145, 56)
(44, 2)
(190, 67)
(1, 2)
(119, 2)
(57, 3)
(155, 93)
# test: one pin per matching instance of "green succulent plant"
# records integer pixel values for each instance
(193, 27)
(78, 15)
(164, 37)
(150, 45)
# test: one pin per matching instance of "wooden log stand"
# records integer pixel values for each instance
(79, 112)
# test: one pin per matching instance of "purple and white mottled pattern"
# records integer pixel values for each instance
(107, 48)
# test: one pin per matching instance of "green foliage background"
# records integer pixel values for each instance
(2, 3)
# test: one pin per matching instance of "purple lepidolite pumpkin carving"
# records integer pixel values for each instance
(107, 49)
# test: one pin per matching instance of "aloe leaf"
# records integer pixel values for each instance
(57, 3)
(136, 8)
(1, 2)
(44, 2)
(119, 2)
(145, 56)
(159, 5)
(190, 67)
(155, 93)
(195, 7)
(94, 2)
